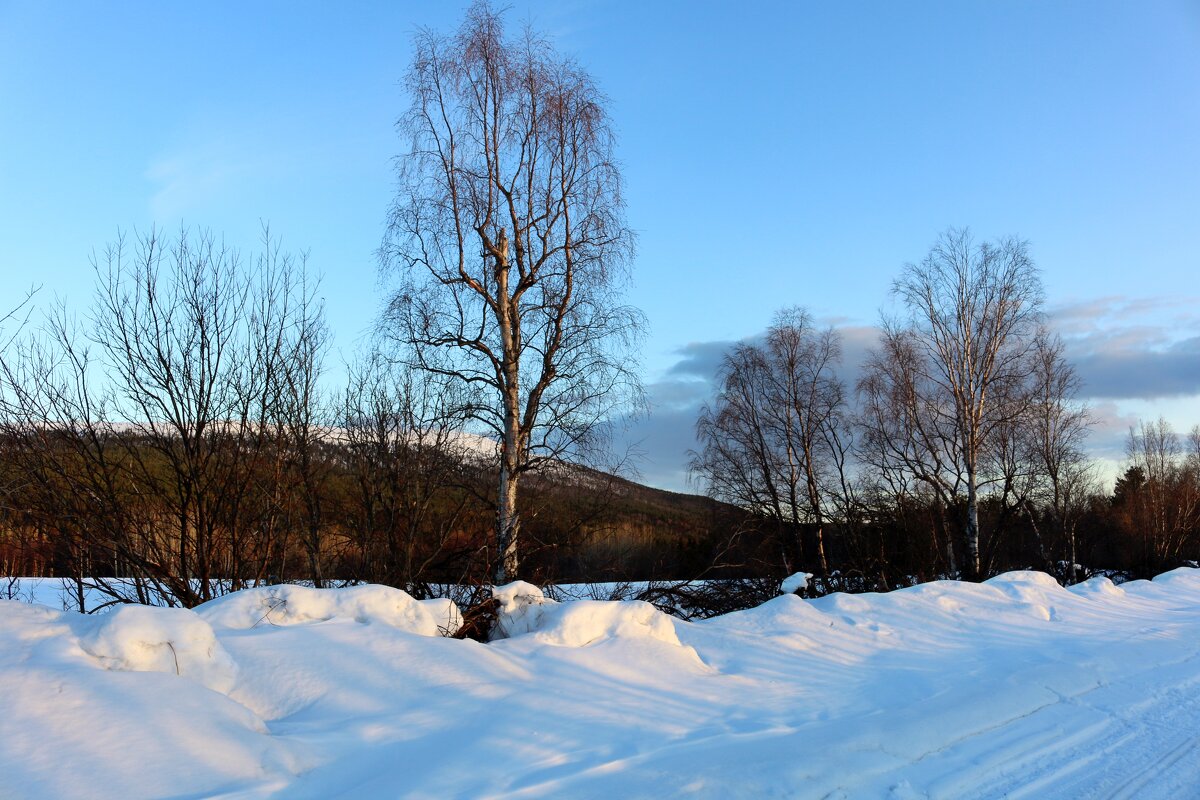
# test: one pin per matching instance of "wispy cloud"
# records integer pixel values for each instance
(1092, 315)
(700, 359)
(217, 162)
(186, 180)
(1133, 348)
(1109, 430)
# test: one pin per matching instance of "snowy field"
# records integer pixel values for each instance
(1014, 688)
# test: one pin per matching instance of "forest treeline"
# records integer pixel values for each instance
(179, 439)
(177, 442)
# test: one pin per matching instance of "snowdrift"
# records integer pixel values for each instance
(171, 640)
(525, 610)
(1015, 687)
(299, 605)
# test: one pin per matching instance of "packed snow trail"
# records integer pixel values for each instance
(1013, 688)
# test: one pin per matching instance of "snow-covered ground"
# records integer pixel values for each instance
(1013, 688)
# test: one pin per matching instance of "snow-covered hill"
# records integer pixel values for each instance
(1013, 688)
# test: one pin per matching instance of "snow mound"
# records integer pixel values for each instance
(786, 615)
(1035, 592)
(1026, 576)
(943, 690)
(515, 596)
(171, 640)
(1097, 587)
(797, 582)
(299, 605)
(1180, 578)
(445, 612)
(577, 623)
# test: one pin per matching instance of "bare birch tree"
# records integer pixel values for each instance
(774, 439)
(973, 312)
(509, 240)
(1162, 506)
(1059, 426)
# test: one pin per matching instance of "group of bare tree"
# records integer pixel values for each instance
(776, 439)
(143, 425)
(1156, 502)
(182, 430)
(178, 441)
(960, 452)
(955, 395)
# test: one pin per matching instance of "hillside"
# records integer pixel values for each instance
(614, 527)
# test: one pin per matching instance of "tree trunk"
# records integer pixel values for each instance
(972, 531)
(314, 556)
(1037, 535)
(508, 526)
(1071, 541)
(814, 501)
(948, 532)
(822, 563)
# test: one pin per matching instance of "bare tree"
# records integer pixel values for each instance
(959, 362)
(409, 463)
(147, 432)
(303, 416)
(17, 552)
(509, 238)
(737, 463)
(774, 440)
(906, 435)
(1058, 426)
(1160, 502)
(810, 412)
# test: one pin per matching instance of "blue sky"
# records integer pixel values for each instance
(774, 154)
